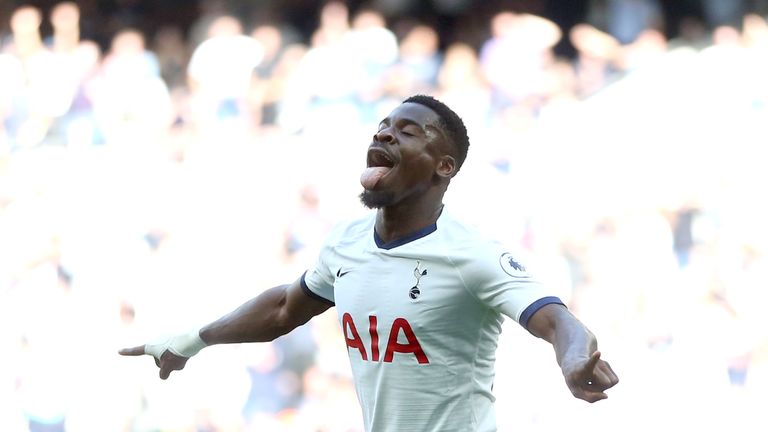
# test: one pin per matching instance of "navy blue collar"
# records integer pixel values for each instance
(427, 230)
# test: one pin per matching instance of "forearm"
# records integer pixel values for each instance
(260, 319)
(572, 341)
(586, 374)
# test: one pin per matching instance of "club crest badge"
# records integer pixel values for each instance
(418, 273)
(512, 267)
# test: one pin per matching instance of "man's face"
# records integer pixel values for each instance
(407, 157)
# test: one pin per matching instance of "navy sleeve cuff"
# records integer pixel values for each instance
(534, 307)
(312, 294)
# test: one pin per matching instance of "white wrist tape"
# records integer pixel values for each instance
(184, 345)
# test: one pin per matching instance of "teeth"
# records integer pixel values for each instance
(381, 159)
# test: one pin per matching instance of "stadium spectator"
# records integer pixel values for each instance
(131, 102)
(220, 76)
(515, 58)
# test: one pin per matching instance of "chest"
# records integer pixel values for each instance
(418, 292)
(396, 284)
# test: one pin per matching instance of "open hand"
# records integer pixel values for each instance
(590, 378)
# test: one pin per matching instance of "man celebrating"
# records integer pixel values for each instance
(420, 296)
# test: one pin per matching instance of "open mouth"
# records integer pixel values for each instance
(379, 158)
(379, 164)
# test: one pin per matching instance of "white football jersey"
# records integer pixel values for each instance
(421, 317)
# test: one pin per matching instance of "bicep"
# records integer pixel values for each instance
(300, 306)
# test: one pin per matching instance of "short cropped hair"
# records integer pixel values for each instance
(450, 122)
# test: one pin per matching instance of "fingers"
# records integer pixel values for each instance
(135, 351)
(165, 372)
(605, 376)
(592, 362)
(592, 396)
(590, 391)
(590, 382)
(608, 370)
(154, 350)
(601, 376)
(166, 360)
(139, 351)
(170, 362)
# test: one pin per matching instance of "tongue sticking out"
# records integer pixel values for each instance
(372, 175)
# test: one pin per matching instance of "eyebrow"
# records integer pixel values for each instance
(407, 122)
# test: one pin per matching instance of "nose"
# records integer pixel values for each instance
(383, 136)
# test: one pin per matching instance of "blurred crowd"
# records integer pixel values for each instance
(152, 184)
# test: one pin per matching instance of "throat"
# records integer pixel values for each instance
(393, 223)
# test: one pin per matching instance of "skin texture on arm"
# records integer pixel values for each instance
(271, 314)
(585, 373)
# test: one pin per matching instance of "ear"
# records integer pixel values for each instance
(446, 167)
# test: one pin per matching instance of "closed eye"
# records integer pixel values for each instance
(410, 131)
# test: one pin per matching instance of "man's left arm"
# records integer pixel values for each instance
(586, 374)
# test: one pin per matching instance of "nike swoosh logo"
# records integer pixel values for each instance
(340, 273)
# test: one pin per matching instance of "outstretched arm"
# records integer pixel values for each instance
(273, 313)
(586, 374)
(270, 315)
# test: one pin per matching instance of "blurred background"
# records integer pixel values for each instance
(163, 161)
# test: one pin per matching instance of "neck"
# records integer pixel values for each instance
(400, 220)
(66, 41)
(26, 45)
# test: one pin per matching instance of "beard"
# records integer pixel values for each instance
(376, 199)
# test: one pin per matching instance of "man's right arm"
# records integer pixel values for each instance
(271, 314)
